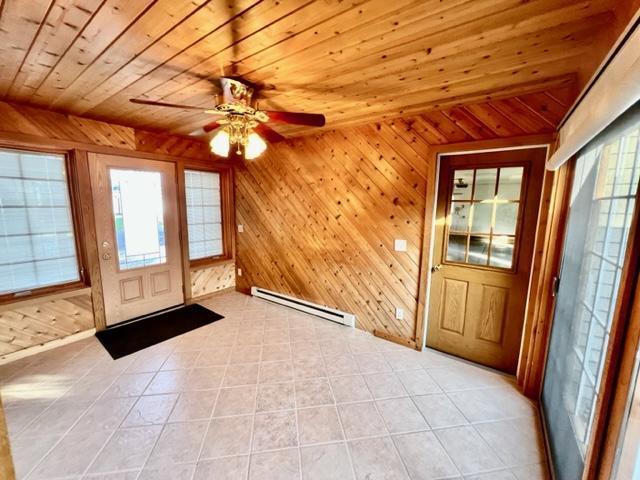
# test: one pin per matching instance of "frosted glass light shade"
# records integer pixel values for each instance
(255, 146)
(220, 143)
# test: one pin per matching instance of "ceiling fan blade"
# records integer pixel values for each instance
(209, 127)
(171, 105)
(296, 118)
(269, 133)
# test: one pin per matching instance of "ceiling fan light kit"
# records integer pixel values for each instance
(241, 121)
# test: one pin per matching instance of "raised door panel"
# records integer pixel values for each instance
(453, 305)
(493, 311)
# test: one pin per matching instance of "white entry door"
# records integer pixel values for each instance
(137, 230)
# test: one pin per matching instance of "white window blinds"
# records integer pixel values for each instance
(204, 214)
(37, 245)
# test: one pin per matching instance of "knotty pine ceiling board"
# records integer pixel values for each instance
(357, 61)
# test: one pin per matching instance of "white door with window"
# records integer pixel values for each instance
(137, 231)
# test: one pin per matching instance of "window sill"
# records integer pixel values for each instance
(209, 262)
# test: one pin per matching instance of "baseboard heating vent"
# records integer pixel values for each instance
(332, 314)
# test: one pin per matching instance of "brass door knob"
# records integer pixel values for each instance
(436, 268)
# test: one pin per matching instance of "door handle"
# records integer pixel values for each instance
(106, 256)
(436, 268)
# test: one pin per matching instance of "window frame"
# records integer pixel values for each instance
(76, 220)
(226, 210)
(517, 236)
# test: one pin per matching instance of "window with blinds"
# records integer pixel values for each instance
(37, 243)
(204, 214)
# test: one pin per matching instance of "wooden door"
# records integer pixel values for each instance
(137, 229)
(486, 219)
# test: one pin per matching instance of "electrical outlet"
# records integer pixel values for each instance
(239, 272)
(399, 313)
(400, 245)
(240, 228)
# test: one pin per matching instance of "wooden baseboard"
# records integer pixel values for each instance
(210, 295)
(27, 352)
(395, 339)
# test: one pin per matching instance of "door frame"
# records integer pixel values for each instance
(104, 162)
(426, 261)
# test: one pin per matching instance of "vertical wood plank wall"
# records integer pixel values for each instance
(321, 213)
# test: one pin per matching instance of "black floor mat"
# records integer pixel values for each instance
(125, 339)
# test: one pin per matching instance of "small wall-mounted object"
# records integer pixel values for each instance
(240, 228)
(239, 272)
(399, 313)
(400, 245)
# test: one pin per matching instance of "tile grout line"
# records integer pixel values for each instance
(66, 432)
(344, 434)
(211, 415)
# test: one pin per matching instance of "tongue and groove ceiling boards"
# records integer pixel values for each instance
(355, 61)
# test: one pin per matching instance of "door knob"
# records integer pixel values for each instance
(106, 256)
(436, 268)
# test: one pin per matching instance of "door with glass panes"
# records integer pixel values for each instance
(137, 231)
(486, 217)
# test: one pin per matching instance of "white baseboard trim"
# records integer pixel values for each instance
(27, 352)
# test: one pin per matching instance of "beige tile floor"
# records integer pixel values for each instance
(266, 393)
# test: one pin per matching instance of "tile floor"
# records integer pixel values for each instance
(266, 393)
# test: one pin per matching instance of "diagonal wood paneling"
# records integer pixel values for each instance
(321, 212)
(46, 124)
(211, 279)
(357, 61)
(44, 321)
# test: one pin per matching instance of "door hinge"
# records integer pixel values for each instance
(555, 286)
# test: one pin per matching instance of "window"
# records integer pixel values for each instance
(37, 243)
(483, 216)
(138, 217)
(204, 214)
(602, 205)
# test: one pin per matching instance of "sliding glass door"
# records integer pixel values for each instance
(602, 203)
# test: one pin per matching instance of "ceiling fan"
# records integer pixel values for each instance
(241, 123)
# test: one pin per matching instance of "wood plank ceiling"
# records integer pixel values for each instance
(355, 61)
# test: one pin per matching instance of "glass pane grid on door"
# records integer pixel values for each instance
(483, 216)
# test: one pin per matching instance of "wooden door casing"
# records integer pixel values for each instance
(477, 312)
(137, 291)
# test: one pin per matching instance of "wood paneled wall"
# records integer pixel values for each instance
(321, 213)
(17, 121)
(212, 279)
(30, 323)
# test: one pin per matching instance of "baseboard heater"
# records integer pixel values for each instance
(332, 314)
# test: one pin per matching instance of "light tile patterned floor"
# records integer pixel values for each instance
(266, 393)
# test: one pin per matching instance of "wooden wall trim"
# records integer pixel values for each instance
(7, 471)
(546, 266)
(89, 238)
